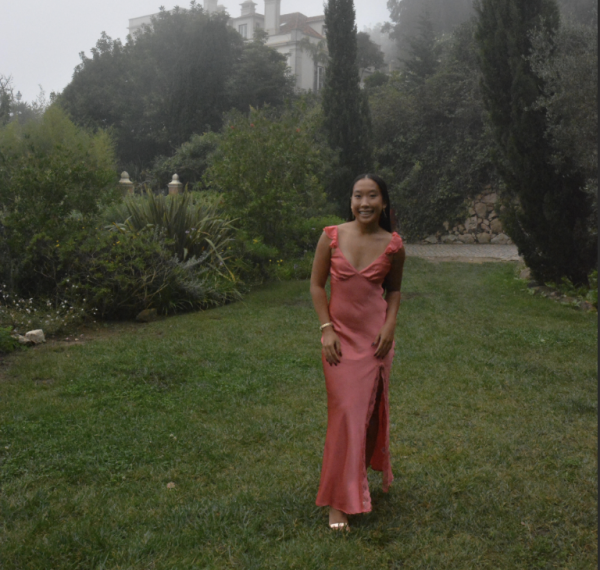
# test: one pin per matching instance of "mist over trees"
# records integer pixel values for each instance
(430, 139)
(446, 15)
(368, 54)
(580, 11)
(387, 44)
(171, 80)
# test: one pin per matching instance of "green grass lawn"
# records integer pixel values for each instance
(493, 438)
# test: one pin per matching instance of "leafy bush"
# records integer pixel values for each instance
(587, 292)
(257, 262)
(190, 161)
(253, 259)
(7, 342)
(270, 172)
(592, 294)
(120, 273)
(294, 268)
(53, 177)
(194, 226)
(305, 233)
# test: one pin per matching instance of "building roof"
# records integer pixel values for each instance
(297, 21)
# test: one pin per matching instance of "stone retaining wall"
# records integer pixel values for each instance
(482, 225)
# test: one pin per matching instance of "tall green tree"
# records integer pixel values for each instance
(568, 64)
(369, 54)
(345, 106)
(548, 209)
(172, 79)
(431, 142)
(184, 63)
(261, 76)
(168, 81)
(424, 51)
(6, 99)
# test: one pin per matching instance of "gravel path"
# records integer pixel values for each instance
(477, 253)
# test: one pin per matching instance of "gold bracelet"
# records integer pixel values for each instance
(326, 325)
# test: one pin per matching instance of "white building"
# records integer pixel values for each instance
(287, 33)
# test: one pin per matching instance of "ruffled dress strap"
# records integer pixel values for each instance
(332, 234)
(395, 245)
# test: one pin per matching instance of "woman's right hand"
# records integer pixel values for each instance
(332, 347)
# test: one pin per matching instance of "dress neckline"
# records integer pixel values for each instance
(370, 264)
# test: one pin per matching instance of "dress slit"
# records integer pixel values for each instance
(373, 421)
(371, 409)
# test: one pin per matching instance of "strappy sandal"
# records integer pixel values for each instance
(340, 526)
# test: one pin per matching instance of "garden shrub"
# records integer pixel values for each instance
(119, 273)
(190, 161)
(588, 291)
(592, 294)
(7, 342)
(253, 260)
(53, 176)
(195, 225)
(257, 262)
(270, 171)
(298, 268)
(305, 233)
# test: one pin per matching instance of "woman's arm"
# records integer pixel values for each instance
(393, 281)
(318, 279)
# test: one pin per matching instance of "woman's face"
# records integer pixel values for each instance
(367, 201)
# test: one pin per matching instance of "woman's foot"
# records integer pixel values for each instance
(338, 520)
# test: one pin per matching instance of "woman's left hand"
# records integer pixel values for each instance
(384, 341)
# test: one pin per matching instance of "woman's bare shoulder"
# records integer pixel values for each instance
(384, 236)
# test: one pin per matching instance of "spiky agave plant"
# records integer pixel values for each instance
(194, 227)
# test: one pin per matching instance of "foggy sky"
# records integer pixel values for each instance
(40, 40)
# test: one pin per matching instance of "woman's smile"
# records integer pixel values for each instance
(367, 202)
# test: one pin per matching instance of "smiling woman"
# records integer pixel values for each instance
(364, 258)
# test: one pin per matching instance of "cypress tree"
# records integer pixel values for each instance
(548, 212)
(424, 53)
(345, 105)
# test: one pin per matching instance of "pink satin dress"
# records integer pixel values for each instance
(357, 310)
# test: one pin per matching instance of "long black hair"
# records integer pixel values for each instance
(385, 220)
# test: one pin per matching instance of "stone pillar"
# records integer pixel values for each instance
(126, 183)
(175, 185)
